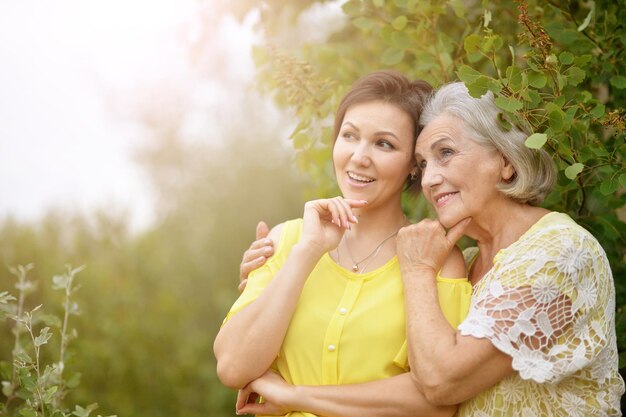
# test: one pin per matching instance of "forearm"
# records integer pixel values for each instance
(391, 397)
(432, 341)
(249, 342)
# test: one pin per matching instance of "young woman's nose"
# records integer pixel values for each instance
(361, 154)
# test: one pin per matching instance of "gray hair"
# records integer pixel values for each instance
(534, 168)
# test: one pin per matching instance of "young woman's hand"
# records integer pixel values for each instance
(326, 220)
(256, 255)
(276, 395)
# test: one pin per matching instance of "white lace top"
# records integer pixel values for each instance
(549, 303)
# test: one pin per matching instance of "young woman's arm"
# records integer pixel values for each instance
(392, 397)
(249, 341)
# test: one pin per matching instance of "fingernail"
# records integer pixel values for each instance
(355, 219)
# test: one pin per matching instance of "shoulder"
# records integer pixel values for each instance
(286, 234)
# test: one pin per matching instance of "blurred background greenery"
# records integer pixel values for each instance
(153, 298)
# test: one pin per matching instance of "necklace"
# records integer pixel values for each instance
(371, 256)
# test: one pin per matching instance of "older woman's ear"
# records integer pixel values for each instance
(508, 170)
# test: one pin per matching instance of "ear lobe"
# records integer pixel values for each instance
(508, 170)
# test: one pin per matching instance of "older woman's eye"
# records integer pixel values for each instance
(447, 152)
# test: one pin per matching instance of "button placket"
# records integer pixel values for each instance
(332, 339)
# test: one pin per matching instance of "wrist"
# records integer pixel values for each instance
(308, 249)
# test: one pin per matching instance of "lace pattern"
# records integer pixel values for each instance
(549, 303)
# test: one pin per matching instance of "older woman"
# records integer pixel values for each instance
(539, 339)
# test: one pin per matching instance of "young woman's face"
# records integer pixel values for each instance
(459, 176)
(373, 153)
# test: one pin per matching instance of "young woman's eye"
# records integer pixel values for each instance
(348, 135)
(385, 144)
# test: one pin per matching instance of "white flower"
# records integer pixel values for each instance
(531, 364)
(587, 294)
(573, 404)
(545, 289)
(601, 366)
(512, 389)
(477, 324)
(540, 257)
(572, 258)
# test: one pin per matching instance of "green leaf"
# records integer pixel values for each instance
(510, 104)
(379, 3)
(618, 81)
(468, 74)
(399, 22)
(479, 87)
(573, 170)
(392, 56)
(44, 336)
(537, 79)
(492, 43)
(536, 140)
(514, 77)
(351, 7)
(575, 75)
(556, 120)
(28, 412)
(608, 187)
(566, 58)
(363, 23)
(598, 111)
(471, 43)
(622, 180)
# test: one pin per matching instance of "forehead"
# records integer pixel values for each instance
(380, 115)
(441, 128)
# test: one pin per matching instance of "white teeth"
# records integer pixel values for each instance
(444, 197)
(359, 177)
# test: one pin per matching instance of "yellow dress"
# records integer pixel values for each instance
(347, 328)
(549, 303)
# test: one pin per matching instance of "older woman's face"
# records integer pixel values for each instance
(459, 176)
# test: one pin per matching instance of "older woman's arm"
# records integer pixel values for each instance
(392, 397)
(457, 367)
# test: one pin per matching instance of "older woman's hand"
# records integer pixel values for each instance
(256, 255)
(426, 245)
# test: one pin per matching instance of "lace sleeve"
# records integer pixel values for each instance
(548, 302)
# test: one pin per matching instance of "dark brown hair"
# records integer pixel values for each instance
(391, 87)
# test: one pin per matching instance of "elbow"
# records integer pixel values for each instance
(230, 375)
(229, 371)
(436, 388)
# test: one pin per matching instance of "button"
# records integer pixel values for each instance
(331, 348)
(343, 311)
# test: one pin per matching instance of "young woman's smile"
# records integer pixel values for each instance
(373, 153)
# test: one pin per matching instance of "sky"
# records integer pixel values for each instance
(66, 64)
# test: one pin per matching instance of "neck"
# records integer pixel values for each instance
(375, 223)
(498, 228)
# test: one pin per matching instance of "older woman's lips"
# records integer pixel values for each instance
(442, 199)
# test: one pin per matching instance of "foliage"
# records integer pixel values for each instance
(557, 69)
(30, 387)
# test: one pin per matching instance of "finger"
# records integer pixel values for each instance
(254, 408)
(341, 210)
(261, 243)
(247, 267)
(242, 397)
(350, 217)
(456, 231)
(262, 230)
(333, 208)
(253, 254)
(242, 285)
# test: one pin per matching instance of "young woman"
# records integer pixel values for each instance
(327, 308)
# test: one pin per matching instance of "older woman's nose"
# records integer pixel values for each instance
(431, 177)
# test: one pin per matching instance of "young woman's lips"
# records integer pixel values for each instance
(359, 180)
